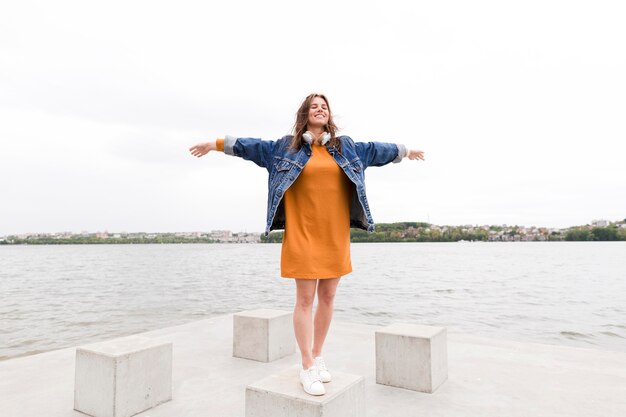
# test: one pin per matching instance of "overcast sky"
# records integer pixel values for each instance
(519, 106)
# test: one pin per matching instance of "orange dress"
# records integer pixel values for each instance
(316, 243)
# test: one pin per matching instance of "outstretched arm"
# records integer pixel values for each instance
(382, 153)
(255, 150)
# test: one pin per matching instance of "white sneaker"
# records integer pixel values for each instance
(321, 366)
(311, 381)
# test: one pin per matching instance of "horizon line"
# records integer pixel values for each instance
(262, 232)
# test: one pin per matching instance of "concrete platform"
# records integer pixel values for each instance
(263, 335)
(486, 377)
(277, 395)
(412, 356)
(122, 377)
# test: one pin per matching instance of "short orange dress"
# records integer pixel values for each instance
(316, 242)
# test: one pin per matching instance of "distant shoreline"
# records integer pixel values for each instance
(384, 232)
(276, 243)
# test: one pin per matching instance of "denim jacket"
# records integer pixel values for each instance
(284, 166)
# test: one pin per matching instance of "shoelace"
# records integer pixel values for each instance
(311, 375)
(319, 362)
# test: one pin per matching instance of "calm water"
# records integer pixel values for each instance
(570, 293)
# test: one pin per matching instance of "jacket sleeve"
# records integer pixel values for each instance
(379, 153)
(255, 150)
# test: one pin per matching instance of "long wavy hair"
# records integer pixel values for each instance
(302, 117)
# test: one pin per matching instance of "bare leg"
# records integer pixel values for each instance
(326, 289)
(302, 318)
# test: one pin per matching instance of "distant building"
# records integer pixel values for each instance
(246, 237)
(600, 223)
(223, 235)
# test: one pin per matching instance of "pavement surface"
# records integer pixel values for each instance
(486, 377)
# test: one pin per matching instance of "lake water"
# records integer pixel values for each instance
(569, 293)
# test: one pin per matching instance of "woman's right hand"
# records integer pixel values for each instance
(201, 149)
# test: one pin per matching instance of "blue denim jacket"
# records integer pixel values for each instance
(284, 166)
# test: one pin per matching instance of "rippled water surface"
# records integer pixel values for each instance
(570, 293)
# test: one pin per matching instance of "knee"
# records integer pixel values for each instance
(305, 301)
(326, 297)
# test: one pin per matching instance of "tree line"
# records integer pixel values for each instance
(384, 232)
(425, 232)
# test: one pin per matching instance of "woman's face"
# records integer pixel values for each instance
(318, 113)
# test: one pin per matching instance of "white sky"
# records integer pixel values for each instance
(519, 106)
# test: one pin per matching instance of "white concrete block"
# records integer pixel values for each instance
(282, 395)
(122, 377)
(263, 335)
(412, 356)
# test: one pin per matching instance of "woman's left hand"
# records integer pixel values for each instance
(415, 154)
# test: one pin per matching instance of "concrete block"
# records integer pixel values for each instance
(263, 335)
(412, 356)
(282, 395)
(122, 377)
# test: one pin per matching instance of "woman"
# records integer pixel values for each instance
(316, 193)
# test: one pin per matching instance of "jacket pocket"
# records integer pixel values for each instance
(282, 165)
(282, 168)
